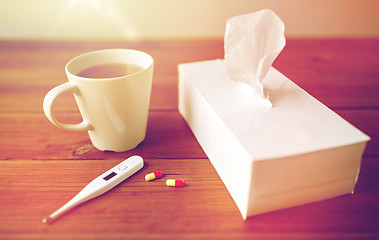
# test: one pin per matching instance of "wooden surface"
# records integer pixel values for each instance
(42, 167)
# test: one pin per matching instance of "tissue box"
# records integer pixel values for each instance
(297, 152)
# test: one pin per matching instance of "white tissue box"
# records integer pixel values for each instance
(298, 152)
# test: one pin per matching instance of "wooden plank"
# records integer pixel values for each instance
(42, 166)
(338, 72)
(31, 69)
(32, 136)
(168, 136)
(143, 210)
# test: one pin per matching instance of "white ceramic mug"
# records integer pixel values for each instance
(114, 110)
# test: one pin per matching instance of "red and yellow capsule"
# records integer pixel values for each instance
(175, 183)
(153, 175)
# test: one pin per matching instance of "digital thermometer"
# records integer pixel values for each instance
(101, 184)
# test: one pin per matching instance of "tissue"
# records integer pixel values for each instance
(298, 152)
(251, 44)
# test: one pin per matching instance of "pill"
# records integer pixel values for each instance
(153, 175)
(175, 183)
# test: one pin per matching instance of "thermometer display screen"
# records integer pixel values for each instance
(111, 175)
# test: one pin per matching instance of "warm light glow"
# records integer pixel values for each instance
(125, 19)
(88, 15)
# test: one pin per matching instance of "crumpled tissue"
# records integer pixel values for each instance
(251, 44)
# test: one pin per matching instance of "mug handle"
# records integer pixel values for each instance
(48, 103)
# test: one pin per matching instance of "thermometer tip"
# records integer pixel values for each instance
(46, 220)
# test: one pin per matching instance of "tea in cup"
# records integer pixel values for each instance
(112, 89)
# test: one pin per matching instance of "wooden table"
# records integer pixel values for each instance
(42, 167)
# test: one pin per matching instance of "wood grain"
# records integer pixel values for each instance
(42, 166)
(168, 136)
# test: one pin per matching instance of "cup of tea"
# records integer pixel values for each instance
(112, 90)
